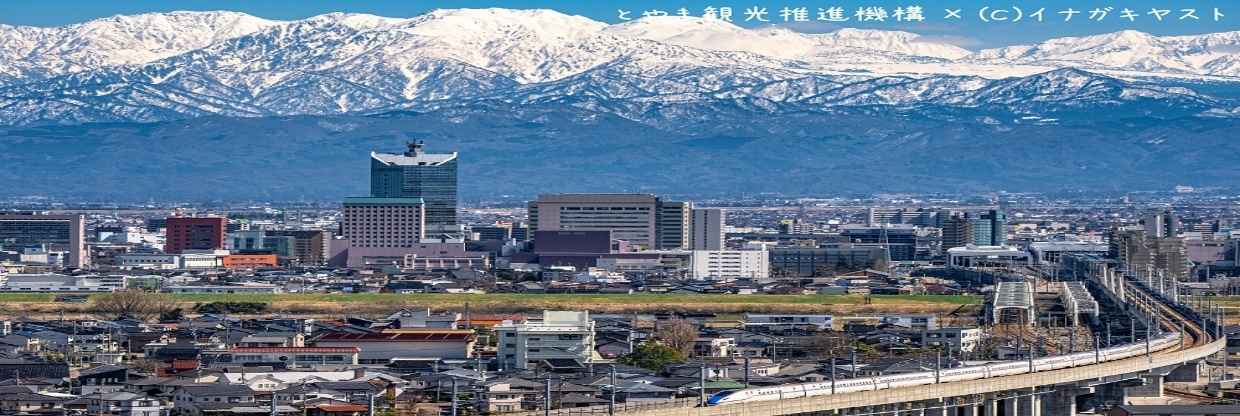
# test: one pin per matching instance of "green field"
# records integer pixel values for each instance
(26, 297)
(432, 299)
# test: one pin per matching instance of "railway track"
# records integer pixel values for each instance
(1171, 318)
(1190, 395)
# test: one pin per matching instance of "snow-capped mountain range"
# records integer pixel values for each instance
(164, 66)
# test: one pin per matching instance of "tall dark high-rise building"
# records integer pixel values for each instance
(989, 229)
(1161, 224)
(417, 174)
(957, 230)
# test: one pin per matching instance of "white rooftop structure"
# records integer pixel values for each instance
(554, 321)
(973, 256)
(1078, 300)
(1013, 295)
(414, 157)
(1049, 251)
(293, 377)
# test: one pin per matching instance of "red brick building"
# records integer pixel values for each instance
(195, 233)
(250, 261)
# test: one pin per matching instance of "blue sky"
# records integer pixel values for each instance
(968, 31)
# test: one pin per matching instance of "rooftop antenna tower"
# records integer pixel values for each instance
(415, 147)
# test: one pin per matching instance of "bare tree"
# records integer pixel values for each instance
(145, 365)
(133, 303)
(678, 334)
(833, 344)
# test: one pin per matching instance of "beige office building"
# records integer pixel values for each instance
(629, 217)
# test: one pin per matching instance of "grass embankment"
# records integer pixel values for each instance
(367, 303)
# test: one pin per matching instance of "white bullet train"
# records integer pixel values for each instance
(792, 391)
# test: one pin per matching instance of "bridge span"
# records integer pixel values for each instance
(1053, 391)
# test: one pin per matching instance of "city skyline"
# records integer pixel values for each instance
(621, 208)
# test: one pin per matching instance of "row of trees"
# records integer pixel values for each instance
(136, 304)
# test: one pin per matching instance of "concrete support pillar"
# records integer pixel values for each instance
(1030, 404)
(1061, 402)
(1011, 406)
(1152, 387)
(990, 405)
(1188, 373)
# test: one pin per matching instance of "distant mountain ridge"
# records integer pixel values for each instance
(166, 66)
(223, 105)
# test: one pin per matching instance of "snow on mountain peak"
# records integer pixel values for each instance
(357, 21)
(39, 52)
(893, 41)
(666, 28)
(1126, 50)
(777, 41)
(715, 35)
(155, 65)
(545, 24)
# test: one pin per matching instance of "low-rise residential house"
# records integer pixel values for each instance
(13, 368)
(503, 397)
(955, 339)
(713, 347)
(270, 339)
(21, 400)
(350, 391)
(635, 392)
(424, 318)
(282, 357)
(820, 322)
(383, 347)
(102, 379)
(124, 403)
(196, 398)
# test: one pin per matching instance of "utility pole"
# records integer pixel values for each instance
(852, 364)
(833, 365)
(702, 386)
(1219, 324)
(1147, 341)
(547, 397)
(1097, 351)
(1108, 334)
(938, 364)
(453, 397)
(1031, 357)
(482, 372)
(611, 404)
(747, 371)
